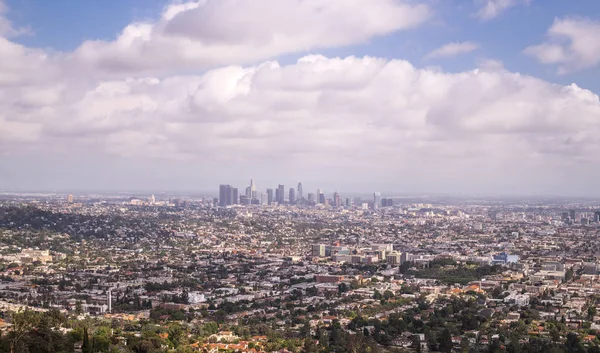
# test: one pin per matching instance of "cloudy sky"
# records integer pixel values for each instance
(401, 96)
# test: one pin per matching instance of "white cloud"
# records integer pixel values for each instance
(453, 49)
(572, 45)
(373, 119)
(353, 113)
(209, 33)
(7, 29)
(490, 9)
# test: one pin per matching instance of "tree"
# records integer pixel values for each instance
(573, 344)
(445, 342)
(592, 312)
(310, 346)
(86, 347)
(22, 323)
(78, 308)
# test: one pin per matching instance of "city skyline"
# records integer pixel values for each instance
(460, 96)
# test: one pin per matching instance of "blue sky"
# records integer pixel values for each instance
(63, 24)
(468, 96)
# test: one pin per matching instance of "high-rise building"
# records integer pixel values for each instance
(348, 202)
(225, 195)
(317, 250)
(387, 202)
(281, 199)
(264, 199)
(235, 196)
(245, 200)
(152, 200)
(292, 196)
(248, 192)
(70, 198)
(109, 300)
(253, 193)
(376, 200)
(322, 198)
(311, 197)
(572, 214)
(337, 200)
(269, 196)
(300, 195)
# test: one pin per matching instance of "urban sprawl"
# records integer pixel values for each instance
(290, 271)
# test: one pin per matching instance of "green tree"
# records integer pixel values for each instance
(445, 342)
(86, 347)
(22, 323)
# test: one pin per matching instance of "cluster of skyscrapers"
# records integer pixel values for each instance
(229, 195)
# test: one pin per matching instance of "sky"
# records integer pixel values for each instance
(496, 97)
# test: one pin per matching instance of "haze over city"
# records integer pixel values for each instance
(473, 97)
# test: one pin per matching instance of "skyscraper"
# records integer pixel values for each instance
(235, 197)
(322, 198)
(264, 199)
(70, 198)
(253, 189)
(337, 200)
(281, 190)
(292, 196)
(269, 196)
(376, 200)
(300, 195)
(225, 195)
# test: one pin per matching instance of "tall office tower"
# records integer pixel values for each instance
(248, 192)
(292, 196)
(70, 198)
(152, 200)
(572, 214)
(277, 197)
(264, 199)
(109, 300)
(281, 199)
(225, 195)
(269, 196)
(319, 192)
(348, 202)
(322, 198)
(253, 193)
(235, 196)
(597, 217)
(300, 195)
(337, 200)
(317, 250)
(311, 197)
(376, 200)
(244, 200)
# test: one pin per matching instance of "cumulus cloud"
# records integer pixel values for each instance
(208, 33)
(572, 45)
(453, 49)
(490, 9)
(367, 117)
(362, 112)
